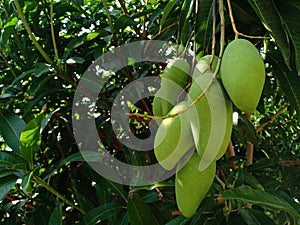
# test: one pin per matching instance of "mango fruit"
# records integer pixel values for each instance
(191, 185)
(173, 138)
(243, 74)
(212, 124)
(174, 80)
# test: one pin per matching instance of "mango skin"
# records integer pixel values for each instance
(191, 185)
(174, 80)
(173, 138)
(243, 74)
(213, 129)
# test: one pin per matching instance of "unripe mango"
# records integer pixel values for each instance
(243, 74)
(212, 125)
(191, 185)
(174, 80)
(173, 138)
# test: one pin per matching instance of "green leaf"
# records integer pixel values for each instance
(87, 156)
(268, 13)
(6, 184)
(8, 29)
(251, 180)
(289, 81)
(185, 25)
(27, 183)
(123, 21)
(204, 22)
(180, 220)
(101, 213)
(139, 212)
(290, 13)
(11, 128)
(40, 69)
(30, 139)
(74, 43)
(12, 160)
(56, 216)
(254, 196)
(255, 217)
(167, 11)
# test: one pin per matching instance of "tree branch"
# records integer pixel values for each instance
(261, 127)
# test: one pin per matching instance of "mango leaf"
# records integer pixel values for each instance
(56, 216)
(255, 217)
(180, 220)
(268, 13)
(204, 22)
(11, 127)
(185, 24)
(101, 213)
(290, 12)
(139, 212)
(123, 21)
(30, 139)
(40, 69)
(289, 81)
(6, 184)
(254, 196)
(167, 11)
(74, 43)
(12, 160)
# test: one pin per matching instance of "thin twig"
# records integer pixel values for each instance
(57, 194)
(222, 38)
(137, 31)
(237, 33)
(290, 163)
(112, 30)
(32, 37)
(258, 129)
(163, 30)
(250, 148)
(231, 153)
(52, 31)
(213, 44)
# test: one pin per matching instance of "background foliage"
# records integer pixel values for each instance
(45, 48)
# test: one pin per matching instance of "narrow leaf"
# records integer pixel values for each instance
(6, 184)
(56, 216)
(289, 81)
(255, 217)
(254, 196)
(167, 11)
(291, 18)
(11, 127)
(101, 213)
(268, 13)
(139, 212)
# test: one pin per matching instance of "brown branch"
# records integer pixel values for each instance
(27, 204)
(250, 148)
(231, 153)
(237, 33)
(163, 30)
(261, 127)
(290, 163)
(137, 31)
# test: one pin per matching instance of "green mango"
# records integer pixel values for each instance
(212, 124)
(174, 80)
(243, 74)
(173, 138)
(191, 185)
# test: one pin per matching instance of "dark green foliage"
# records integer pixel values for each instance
(43, 177)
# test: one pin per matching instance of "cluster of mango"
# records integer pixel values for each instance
(198, 130)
